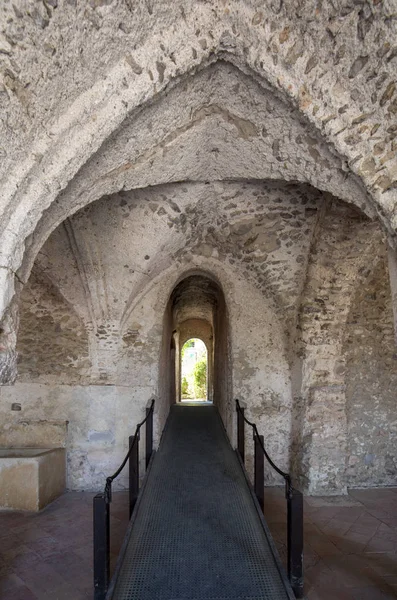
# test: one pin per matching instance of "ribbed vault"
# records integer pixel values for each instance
(344, 89)
(242, 154)
(219, 125)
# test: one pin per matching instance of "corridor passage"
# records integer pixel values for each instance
(197, 533)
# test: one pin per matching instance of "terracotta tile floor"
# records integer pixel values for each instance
(350, 546)
(350, 543)
(49, 555)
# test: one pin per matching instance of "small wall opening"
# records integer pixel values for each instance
(194, 371)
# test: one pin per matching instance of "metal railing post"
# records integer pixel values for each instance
(259, 474)
(101, 546)
(134, 471)
(294, 499)
(241, 433)
(295, 541)
(102, 505)
(149, 434)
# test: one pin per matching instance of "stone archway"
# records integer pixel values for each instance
(197, 308)
(228, 127)
(340, 98)
(194, 371)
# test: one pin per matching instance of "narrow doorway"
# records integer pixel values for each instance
(196, 310)
(194, 371)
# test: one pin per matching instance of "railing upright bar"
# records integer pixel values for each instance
(149, 435)
(101, 547)
(293, 496)
(134, 470)
(241, 433)
(295, 542)
(102, 504)
(259, 475)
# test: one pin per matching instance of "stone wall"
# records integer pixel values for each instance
(103, 97)
(371, 363)
(52, 340)
(342, 244)
(87, 321)
(100, 420)
(140, 144)
(96, 323)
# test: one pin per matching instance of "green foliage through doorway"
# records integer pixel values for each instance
(200, 379)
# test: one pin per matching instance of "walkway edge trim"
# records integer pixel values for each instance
(123, 549)
(266, 529)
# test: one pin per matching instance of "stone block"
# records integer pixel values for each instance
(31, 478)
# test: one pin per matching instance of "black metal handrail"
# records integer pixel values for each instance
(102, 504)
(294, 499)
(135, 440)
(287, 477)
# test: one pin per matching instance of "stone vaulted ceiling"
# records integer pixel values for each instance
(219, 125)
(100, 96)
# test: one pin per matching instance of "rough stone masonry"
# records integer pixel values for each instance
(250, 146)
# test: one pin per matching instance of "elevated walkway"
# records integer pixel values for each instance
(196, 531)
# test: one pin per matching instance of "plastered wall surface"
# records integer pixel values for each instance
(100, 420)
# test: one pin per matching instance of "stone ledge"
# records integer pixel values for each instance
(34, 434)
